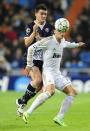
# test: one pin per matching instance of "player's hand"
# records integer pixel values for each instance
(35, 28)
(38, 37)
(81, 44)
(27, 70)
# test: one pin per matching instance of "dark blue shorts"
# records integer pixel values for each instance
(37, 63)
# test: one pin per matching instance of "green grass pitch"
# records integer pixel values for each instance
(77, 118)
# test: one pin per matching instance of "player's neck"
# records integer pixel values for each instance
(58, 39)
(38, 22)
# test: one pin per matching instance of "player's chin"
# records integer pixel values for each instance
(44, 19)
(61, 36)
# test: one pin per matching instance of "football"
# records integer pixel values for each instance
(62, 25)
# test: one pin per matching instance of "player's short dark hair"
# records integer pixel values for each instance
(40, 7)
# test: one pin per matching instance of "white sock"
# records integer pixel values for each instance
(65, 106)
(38, 101)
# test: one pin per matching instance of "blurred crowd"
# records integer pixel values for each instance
(80, 58)
(15, 14)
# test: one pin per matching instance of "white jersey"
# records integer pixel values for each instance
(52, 52)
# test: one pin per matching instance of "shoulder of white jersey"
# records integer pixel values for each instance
(65, 42)
(47, 39)
(43, 43)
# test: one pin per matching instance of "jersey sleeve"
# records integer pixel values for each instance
(42, 44)
(28, 30)
(70, 44)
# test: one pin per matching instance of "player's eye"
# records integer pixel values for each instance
(43, 13)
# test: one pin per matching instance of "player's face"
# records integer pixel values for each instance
(59, 35)
(41, 16)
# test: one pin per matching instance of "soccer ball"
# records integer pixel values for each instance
(62, 25)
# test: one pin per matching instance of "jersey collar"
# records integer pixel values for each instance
(41, 26)
(56, 40)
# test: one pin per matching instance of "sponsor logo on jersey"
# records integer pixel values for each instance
(28, 30)
(55, 55)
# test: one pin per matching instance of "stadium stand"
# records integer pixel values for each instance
(15, 14)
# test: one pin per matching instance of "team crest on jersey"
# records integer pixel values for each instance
(54, 49)
(47, 29)
(28, 30)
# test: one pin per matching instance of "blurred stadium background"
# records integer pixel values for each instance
(15, 14)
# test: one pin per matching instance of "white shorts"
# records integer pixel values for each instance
(57, 79)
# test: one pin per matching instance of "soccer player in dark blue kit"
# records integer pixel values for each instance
(35, 31)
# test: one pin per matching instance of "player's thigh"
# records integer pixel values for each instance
(36, 73)
(61, 82)
(31, 74)
(48, 78)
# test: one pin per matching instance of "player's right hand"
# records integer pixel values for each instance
(81, 44)
(35, 28)
(27, 70)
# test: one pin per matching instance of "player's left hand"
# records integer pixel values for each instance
(81, 44)
(27, 70)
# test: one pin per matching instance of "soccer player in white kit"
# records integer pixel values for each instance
(52, 78)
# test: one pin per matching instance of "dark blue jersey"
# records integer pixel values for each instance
(46, 31)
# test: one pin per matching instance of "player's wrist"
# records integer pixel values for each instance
(28, 68)
(34, 33)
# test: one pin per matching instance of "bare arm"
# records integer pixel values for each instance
(29, 40)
